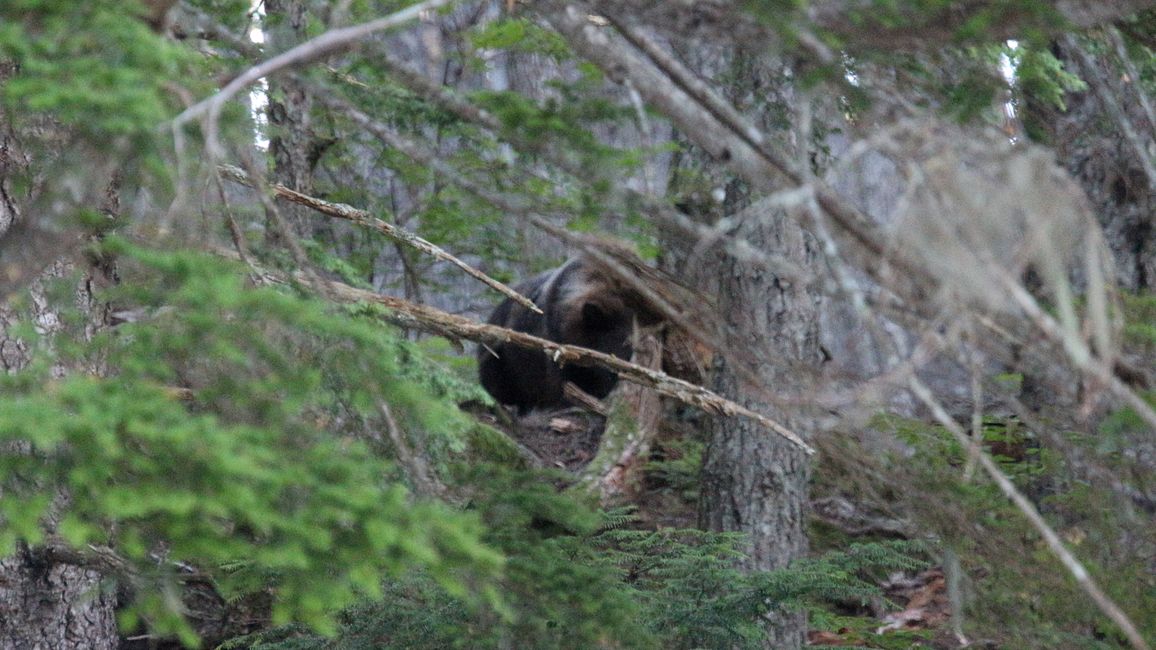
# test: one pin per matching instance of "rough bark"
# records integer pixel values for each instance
(292, 143)
(45, 605)
(752, 481)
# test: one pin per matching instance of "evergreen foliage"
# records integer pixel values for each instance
(1085, 505)
(90, 65)
(237, 424)
(241, 428)
(576, 580)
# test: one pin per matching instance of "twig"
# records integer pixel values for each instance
(314, 48)
(364, 218)
(675, 313)
(1051, 539)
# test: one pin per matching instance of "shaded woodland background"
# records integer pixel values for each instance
(901, 394)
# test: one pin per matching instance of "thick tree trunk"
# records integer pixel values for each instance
(754, 481)
(54, 607)
(44, 605)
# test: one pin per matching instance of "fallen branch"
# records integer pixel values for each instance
(656, 297)
(427, 319)
(364, 218)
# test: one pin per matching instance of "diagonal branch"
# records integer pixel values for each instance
(1073, 565)
(705, 119)
(364, 218)
(427, 319)
(315, 48)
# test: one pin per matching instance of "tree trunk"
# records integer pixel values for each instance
(292, 144)
(754, 481)
(1090, 144)
(44, 605)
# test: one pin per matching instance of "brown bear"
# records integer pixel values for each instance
(580, 307)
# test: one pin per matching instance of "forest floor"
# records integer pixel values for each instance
(914, 612)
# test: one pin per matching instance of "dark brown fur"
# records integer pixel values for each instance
(581, 307)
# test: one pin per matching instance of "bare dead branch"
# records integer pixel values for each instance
(704, 117)
(427, 319)
(670, 304)
(364, 218)
(315, 48)
(727, 135)
(585, 400)
(432, 320)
